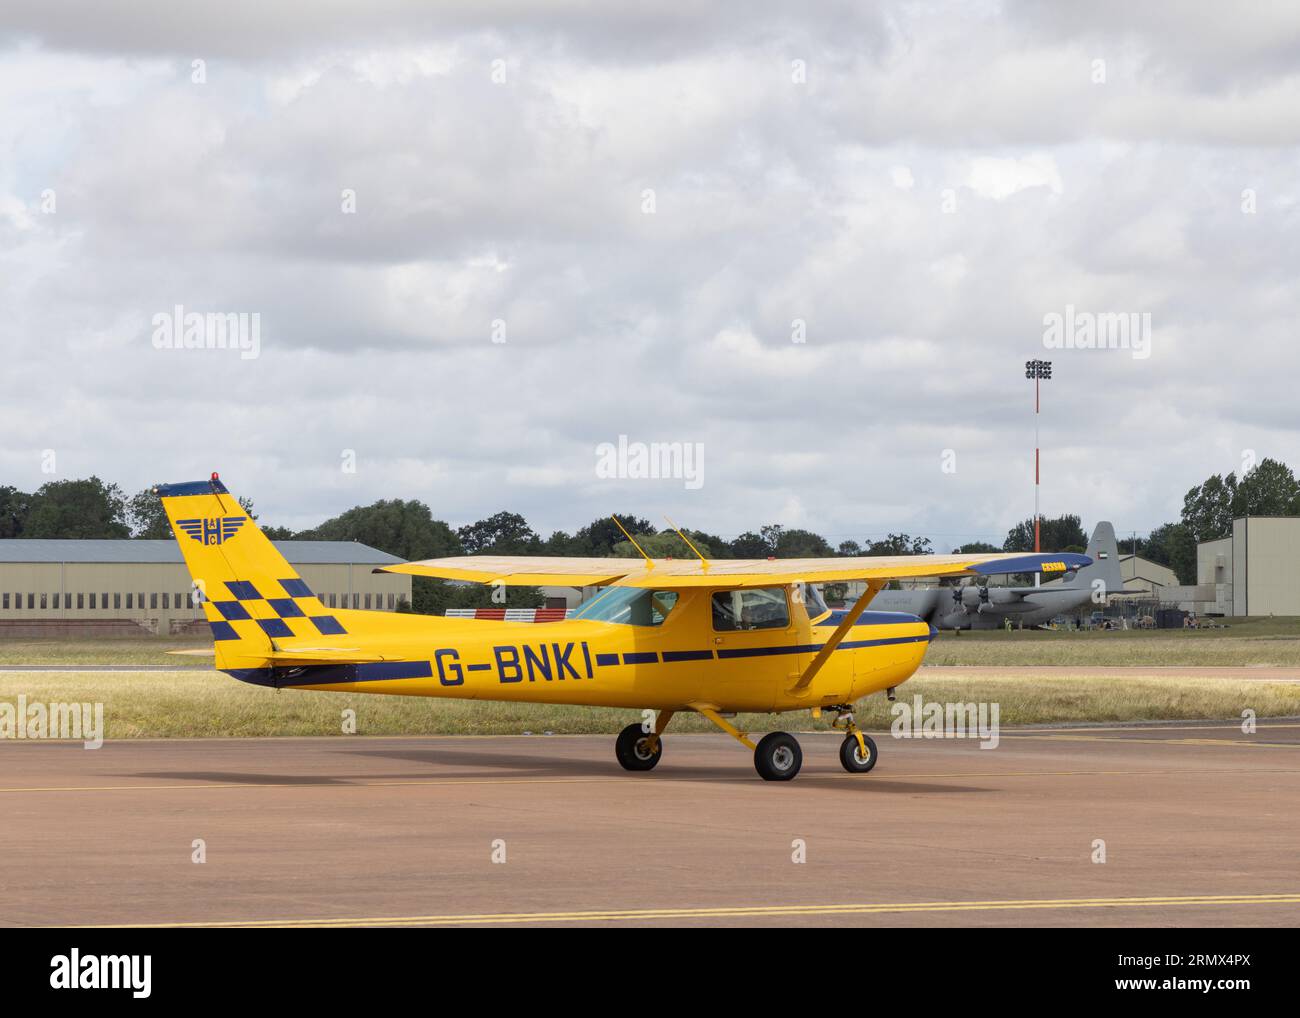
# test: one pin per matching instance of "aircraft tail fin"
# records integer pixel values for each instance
(1103, 549)
(251, 596)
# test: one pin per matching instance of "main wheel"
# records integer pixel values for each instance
(851, 754)
(777, 757)
(634, 751)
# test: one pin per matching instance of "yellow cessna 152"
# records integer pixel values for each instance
(671, 635)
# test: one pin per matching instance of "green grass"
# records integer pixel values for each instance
(1262, 641)
(121, 650)
(206, 703)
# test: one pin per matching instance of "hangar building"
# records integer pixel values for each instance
(1255, 569)
(81, 587)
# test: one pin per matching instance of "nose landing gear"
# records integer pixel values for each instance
(858, 750)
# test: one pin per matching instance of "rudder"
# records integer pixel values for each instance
(251, 596)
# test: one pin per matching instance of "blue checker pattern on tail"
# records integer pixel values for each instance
(275, 627)
(244, 592)
(296, 588)
(285, 608)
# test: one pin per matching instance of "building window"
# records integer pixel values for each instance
(392, 602)
(180, 601)
(81, 601)
(153, 601)
(92, 602)
(4, 602)
(140, 601)
(129, 598)
(117, 600)
(44, 601)
(103, 602)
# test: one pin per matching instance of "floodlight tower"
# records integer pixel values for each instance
(1039, 371)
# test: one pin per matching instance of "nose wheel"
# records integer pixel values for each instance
(858, 750)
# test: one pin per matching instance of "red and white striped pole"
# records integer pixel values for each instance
(1037, 370)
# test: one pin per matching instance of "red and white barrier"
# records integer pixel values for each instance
(510, 614)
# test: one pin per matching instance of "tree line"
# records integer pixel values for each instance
(91, 508)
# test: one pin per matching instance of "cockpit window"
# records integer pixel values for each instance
(629, 606)
(812, 600)
(751, 608)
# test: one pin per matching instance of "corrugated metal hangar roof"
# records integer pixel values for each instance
(134, 551)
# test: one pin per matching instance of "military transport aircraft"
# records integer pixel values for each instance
(669, 635)
(976, 606)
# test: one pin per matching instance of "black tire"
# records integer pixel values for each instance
(850, 754)
(633, 749)
(777, 757)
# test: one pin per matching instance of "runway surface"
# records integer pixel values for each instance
(1201, 825)
(1271, 673)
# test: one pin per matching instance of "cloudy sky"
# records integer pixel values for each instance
(654, 207)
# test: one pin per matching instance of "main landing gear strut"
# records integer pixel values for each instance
(777, 756)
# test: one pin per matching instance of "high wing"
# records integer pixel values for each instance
(535, 570)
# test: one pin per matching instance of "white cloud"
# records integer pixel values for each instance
(1001, 178)
(775, 203)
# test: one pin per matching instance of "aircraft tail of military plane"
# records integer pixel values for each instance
(1103, 549)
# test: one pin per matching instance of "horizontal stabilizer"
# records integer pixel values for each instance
(286, 656)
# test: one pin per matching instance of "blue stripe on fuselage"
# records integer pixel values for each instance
(868, 618)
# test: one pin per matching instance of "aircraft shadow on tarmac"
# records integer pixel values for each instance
(472, 763)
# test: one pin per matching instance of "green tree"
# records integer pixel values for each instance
(1269, 489)
(405, 529)
(1174, 546)
(665, 544)
(598, 537)
(750, 545)
(849, 549)
(1059, 533)
(802, 544)
(719, 547)
(86, 508)
(14, 507)
(977, 548)
(1207, 508)
(505, 533)
(901, 544)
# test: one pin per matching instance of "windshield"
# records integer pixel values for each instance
(629, 606)
(813, 602)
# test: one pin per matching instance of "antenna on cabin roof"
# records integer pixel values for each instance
(649, 562)
(704, 563)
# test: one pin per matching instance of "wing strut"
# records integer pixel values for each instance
(847, 623)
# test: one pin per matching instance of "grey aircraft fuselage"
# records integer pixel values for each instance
(975, 607)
